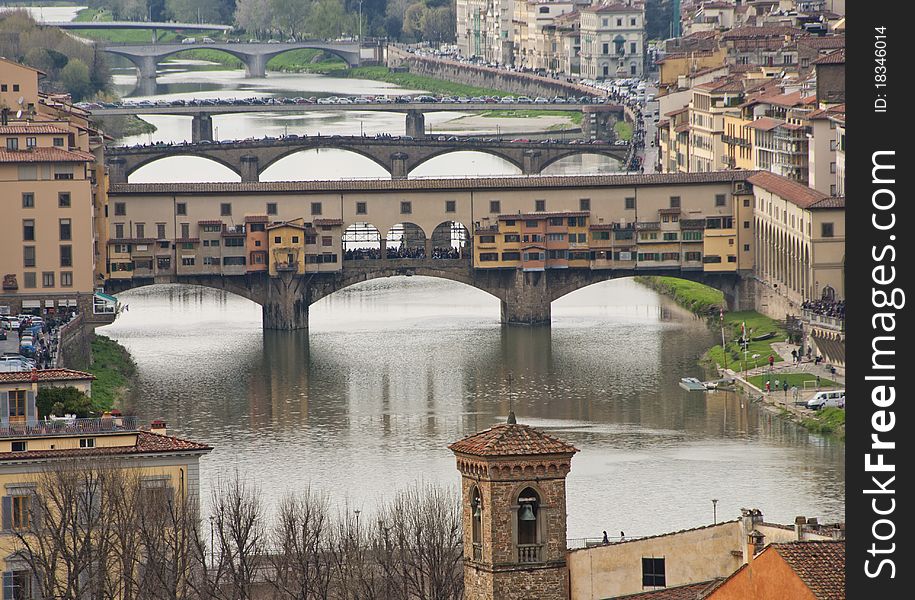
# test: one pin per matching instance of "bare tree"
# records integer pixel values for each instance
(420, 545)
(300, 559)
(240, 537)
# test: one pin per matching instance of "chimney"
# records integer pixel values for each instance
(799, 523)
(158, 427)
(756, 541)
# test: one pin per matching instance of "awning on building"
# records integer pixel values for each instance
(31, 304)
(106, 297)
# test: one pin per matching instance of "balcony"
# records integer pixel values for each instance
(692, 223)
(823, 321)
(286, 266)
(78, 427)
(529, 553)
(648, 225)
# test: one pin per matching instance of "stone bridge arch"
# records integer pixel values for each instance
(513, 158)
(121, 171)
(618, 155)
(315, 144)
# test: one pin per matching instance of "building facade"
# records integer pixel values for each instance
(54, 190)
(613, 40)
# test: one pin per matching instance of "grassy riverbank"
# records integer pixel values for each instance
(624, 132)
(114, 369)
(418, 82)
(695, 297)
(827, 421)
(704, 300)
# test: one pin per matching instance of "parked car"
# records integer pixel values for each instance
(827, 399)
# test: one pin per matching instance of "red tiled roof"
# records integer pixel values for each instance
(690, 591)
(320, 222)
(756, 32)
(278, 225)
(820, 565)
(44, 155)
(45, 375)
(256, 219)
(511, 440)
(147, 443)
(766, 123)
(833, 58)
(831, 202)
(544, 215)
(471, 183)
(30, 129)
(792, 191)
(825, 42)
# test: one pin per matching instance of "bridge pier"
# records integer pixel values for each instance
(146, 68)
(249, 168)
(285, 307)
(532, 162)
(740, 294)
(202, 128)
(527, 299)
(399, 165)
(416, 124)
(117, 170)
(255, 66)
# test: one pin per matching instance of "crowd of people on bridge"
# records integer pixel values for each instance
(402, 252)
(826, 307)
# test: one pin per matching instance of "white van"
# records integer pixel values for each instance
(826, 399)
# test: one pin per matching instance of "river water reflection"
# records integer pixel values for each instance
(394, 370)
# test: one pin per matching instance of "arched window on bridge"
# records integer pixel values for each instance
(361, 241)
(406, 240)
(450, 240)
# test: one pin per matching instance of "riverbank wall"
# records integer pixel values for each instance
(525, 84)
(74, 349)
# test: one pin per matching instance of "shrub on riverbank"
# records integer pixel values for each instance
(418, 82)
(827, 421)
(114, 369)
(624, 132)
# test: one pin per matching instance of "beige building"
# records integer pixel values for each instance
(53, 187)
(693, 556)
(483, 28)
(613, 40)
(800, 241)
(534, 25)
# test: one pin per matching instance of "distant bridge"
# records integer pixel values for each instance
(153, 25)
(255, 56)
(399, 157)
(597, 122)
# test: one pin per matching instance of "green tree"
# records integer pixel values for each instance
(76, 80)
(60, 401)
(289, 16)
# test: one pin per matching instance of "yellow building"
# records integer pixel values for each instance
(676, 65)
(674, 142)
(49, 251)
(31, 450)
(18, 391)
(286, 243)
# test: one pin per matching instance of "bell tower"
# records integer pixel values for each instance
(513, 494)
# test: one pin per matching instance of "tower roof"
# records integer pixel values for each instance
(511, 440)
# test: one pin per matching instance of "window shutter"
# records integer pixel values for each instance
(7, 508)
(30, 408)
(4, 407)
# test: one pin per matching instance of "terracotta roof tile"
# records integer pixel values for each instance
(28, 129)
(45, 155)
(831, 202)
(45, 375)
(320, 222)
(833, 58)
(757, 32)
(690, 591)
(146, 443)
(792, 191)
(511, 440)
(256, 218)
(820, 565)
(543, 215)
(473, 183)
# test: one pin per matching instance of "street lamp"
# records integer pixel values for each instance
(714, 511)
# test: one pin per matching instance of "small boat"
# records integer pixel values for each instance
(691, 384)
(765, 336)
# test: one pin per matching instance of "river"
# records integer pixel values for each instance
(394, 370)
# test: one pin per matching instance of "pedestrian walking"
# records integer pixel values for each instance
(606, 540)
(768, 387)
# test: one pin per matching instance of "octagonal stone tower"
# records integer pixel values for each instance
(513, 493)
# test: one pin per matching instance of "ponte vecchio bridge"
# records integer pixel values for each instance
(248, 159)
(286, 245)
